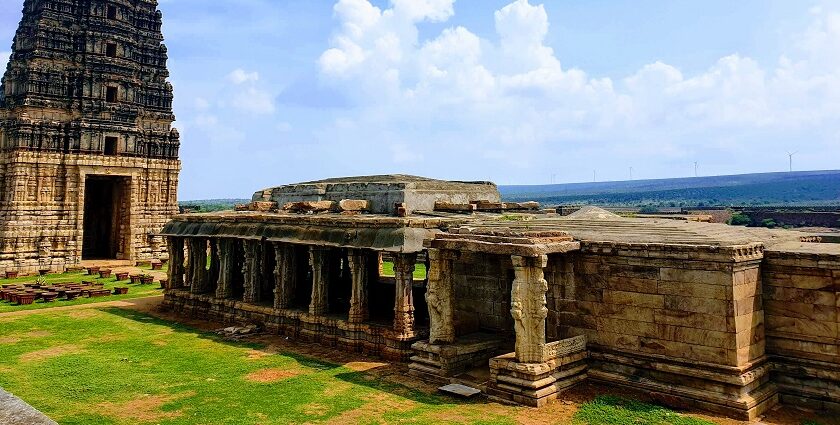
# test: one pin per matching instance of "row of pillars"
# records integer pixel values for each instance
(528, 303)
(220, 279)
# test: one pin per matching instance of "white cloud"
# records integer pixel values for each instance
(255, 101)
(498, 96)
(240, 76)
(4, 59)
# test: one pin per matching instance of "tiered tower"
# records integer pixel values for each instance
(88, 155)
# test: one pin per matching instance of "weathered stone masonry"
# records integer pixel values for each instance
(728, 320)
(85, 101)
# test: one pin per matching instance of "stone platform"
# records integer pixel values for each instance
(440, 362)
(368, 338)
(535, 384)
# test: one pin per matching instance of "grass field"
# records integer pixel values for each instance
(419, 270)
(114, 366)
(134, 291)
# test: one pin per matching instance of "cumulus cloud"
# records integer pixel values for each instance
(510, 99)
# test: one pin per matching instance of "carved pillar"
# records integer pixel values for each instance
(225, 252)
(319, 261)
(439, 297)
(213, 273)
(252, 268)
(358, 261)
(175, 246)
(528, 308)
(285, 274)
(404, 265)
(197, 272)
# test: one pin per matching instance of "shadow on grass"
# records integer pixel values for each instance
(369, 378)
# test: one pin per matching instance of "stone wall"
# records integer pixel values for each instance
(42, 203)
(802, 311)
(482, 285)
(685, 323)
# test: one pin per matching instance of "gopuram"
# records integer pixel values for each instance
(88, 156)
(725, 319)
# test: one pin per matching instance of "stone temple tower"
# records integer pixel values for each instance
(88, 155)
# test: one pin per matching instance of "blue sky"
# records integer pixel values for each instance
(520, 92)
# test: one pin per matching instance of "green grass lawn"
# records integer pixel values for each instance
(134, 291)
(419, 270)
(115, 366)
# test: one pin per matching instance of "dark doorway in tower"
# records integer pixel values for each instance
(105, 218)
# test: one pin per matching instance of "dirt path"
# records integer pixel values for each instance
(140, 304)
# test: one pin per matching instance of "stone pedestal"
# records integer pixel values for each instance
(440, 362)
(535, 384)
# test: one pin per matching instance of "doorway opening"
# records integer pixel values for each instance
(105, 218)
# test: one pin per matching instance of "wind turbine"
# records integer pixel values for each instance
(790, 159)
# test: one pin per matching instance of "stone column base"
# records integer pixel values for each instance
(439, 362)
(741, 393)
(535, 384)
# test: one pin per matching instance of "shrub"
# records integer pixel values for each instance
(740, 219)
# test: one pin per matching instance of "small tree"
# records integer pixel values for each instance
(769, 223)
(740, 219)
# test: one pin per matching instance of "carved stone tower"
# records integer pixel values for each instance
(88, 156)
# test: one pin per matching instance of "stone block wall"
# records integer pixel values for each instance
(802, 309)
(482, 285)
(686, 323)
(42, 205)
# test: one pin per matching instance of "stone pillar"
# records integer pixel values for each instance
(213, 273)
(252, 269)
(404, 265)
(358, 261)
(197, 271)
(285, 274)
(528, 308)
(439, 297)
(319, 261)
(226, 253)
(175, 246)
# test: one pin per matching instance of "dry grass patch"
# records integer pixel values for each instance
(48, 353)
(144, 409)
(371, 412)
(9, 340)
(266, 376)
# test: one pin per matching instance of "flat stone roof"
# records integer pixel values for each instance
(383, 192)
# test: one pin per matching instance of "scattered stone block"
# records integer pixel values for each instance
(353, 205)
(459, 390)
(310, 206)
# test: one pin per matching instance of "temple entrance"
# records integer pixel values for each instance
(105, 218)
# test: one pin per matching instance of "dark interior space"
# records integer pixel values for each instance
(110, 146)
(267, 280)
(303, 290)
(238, 279)
(102, 217)
(341, 284)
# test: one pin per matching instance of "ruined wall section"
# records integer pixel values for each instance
(802, 301)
